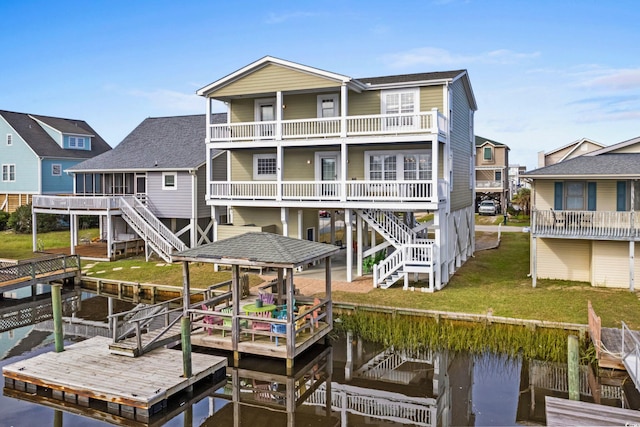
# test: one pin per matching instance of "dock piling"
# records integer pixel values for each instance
(56, 302)
(573, 370)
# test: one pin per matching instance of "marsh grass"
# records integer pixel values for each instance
(420, 333)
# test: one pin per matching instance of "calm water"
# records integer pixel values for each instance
(368, 384)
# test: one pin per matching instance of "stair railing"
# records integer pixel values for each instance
(154, 222)
(142, 227)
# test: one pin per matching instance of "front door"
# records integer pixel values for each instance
(265, 111)
(328, 164)
(141, 187)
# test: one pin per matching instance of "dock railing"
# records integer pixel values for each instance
(631, 354)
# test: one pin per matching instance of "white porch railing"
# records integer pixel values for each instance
(586, 224)
(156, 224)
(430, 122)
(146, 231)
(76, 202)
(489, 184)
(324, 190)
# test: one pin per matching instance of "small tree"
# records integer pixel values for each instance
(523, 199)
(4, 218)
(20, 220)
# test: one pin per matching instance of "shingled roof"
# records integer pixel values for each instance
(616, 166)
(158, 143)
(260, 249)
(417, 77)
(480, 140)
(41, 142)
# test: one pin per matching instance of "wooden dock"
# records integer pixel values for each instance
(564, 412)
(134, 388)
(608, 342)
(39, 270)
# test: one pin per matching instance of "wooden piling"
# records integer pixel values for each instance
(185, 330)
(573, 370)
(56, 302)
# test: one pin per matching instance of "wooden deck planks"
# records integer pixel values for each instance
(88, 369)
(564, 412)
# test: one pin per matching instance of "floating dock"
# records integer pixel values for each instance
(134, 388)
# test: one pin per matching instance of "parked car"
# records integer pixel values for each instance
(324, 214)
(488, 207)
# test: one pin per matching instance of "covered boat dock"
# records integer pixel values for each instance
(285, 325)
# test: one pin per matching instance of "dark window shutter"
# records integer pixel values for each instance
(591, 196)
(558, 196)
(621, 196)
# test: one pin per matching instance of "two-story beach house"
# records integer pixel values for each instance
(35, 153)
(150, 189)
(301, 141)
(585, 225)
(492, 171)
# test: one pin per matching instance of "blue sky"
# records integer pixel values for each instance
(544, 73)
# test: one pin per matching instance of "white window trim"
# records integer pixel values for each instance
(318, 163)
(80, 142)
(9, 139)
(335, 97)
(8, 166)
(53, 166)
(269, 177)
(175, 181)
(399, 161)
(264, 101)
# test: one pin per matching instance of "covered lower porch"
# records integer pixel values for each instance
(282, 324)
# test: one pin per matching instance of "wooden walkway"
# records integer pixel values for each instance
(608, 342)
(135, 388)
(564, 412)
(39, 270)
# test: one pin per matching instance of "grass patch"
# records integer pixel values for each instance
(496, 280)
(20, 246)
(138, 270)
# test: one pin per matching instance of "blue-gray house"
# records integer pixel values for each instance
(36, 151)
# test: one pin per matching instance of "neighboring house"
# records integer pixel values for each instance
(492, 171)
(569, 151)
(373, 151)
(584, 224)
(35, 153)
(515, 179)
(151, 186)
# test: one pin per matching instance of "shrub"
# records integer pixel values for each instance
(4, 218)
(20, 220)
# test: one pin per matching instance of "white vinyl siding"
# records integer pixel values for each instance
(170, 204)
(611, 264)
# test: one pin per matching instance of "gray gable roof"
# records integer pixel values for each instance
(45, 146)
(481, 140)
(613, 165)
(258, 249)
(176, 142)
(417, 77)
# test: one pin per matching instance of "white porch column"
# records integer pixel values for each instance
(332, 223)
(437, 249)
(534, 261)
(301, 235)
(344, 97)
(73, 223)
(284, 217)
(110, 234)
(632, 249)
(279, 172)
(348, 229)
(215, 214)
(194, 210)
(279, 109)
(344, 172)
(359, 244)
(34, 230)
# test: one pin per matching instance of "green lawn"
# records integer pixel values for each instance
(20, 246)
(494, 279)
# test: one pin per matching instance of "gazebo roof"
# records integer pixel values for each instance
(259, 249)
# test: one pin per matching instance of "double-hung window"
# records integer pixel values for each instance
(8, 173)
(9, 139)
(328, 105)
(264, 167)
(76, 142)
(56, 169)
(399, 166)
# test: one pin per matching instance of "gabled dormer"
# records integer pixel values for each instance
(68, 134)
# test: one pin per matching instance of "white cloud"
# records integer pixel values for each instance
(171, 100)
(622, 79)
(433, 56)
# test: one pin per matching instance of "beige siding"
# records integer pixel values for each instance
(226, 231)
(635, 148)
(564, 259)
(462, 146)
(300, 106)
(500, 156)
(242, 164)
(431, 97)
(296, 167)
(360, 104)
(242, 110)
(270, 220)
(273, 78)
(356, 162)
(605, 195)
(611, 264)
(554, 158)
(219, 168)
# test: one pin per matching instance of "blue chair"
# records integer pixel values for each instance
(279, 328)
